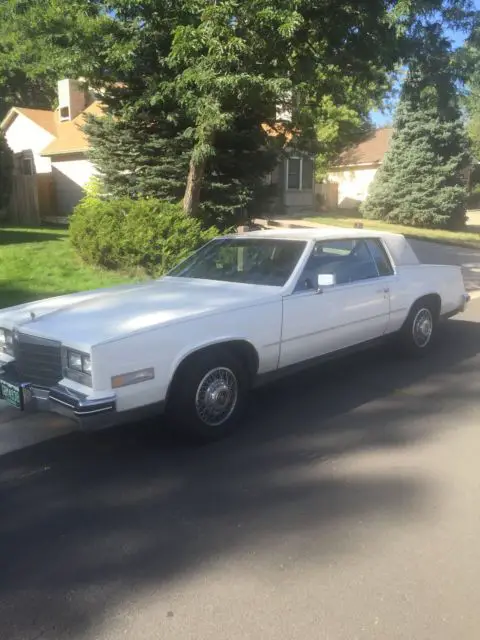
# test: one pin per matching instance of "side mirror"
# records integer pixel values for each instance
(325, 280)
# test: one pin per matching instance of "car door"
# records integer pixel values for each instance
(354, 310)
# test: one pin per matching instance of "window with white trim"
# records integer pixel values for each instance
(299, 174)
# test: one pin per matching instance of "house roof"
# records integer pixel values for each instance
(369, 151)
(70, 137)
(277, 129)
(42, 117)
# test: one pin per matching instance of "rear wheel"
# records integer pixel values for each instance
(419, 331)
(209, 395)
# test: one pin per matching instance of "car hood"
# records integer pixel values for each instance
(82, 320)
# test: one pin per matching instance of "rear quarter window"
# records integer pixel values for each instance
(382, 260)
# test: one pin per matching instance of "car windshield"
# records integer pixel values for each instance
(261, 261)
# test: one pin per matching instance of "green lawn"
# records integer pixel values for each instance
(39, 263)
(469, 237)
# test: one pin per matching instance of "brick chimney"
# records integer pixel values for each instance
(72, 99)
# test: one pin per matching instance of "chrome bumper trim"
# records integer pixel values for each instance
(81, 405)
(88, 412)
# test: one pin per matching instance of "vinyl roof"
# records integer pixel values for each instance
(319, 233)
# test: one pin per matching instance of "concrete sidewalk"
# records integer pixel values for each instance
(19, 429)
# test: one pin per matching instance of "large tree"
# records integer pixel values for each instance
(268, 52)
(422, 179)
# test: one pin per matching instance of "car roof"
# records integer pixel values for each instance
(317, 233)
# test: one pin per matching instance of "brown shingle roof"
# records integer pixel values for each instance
(276, 130)
(370, 151)
(41, 117)
(70, 137)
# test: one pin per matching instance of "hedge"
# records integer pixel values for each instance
(123, 233)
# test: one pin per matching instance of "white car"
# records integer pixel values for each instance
(240, 310)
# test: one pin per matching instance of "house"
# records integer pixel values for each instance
(294, 178)
(51, 144)
(356, 168)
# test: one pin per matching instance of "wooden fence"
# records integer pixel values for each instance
(328, 192)
(33, 195)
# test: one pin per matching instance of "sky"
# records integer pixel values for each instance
(457, 37)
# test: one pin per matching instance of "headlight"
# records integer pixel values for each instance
(87, 365)
(6, 341)
(80, 362)
(74, 360)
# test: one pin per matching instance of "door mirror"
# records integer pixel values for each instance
(325, 280)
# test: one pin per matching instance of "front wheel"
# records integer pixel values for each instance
(419, 331)
(209, 395)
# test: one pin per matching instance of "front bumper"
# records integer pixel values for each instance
(89, 413)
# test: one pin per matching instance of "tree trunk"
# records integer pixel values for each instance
(191, 199)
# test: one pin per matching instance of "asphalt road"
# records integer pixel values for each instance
(347, 508)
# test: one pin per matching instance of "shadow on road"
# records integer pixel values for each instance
(87, 520)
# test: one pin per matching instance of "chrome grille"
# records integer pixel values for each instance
(37, 360)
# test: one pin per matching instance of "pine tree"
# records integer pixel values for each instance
(422, 179)
(139, 153)
(234, 184)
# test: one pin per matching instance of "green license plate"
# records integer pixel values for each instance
(13, 394)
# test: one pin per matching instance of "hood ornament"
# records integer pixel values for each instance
(32, 315)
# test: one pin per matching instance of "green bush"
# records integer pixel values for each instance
(125, 233)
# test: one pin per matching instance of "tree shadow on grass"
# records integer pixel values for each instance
(12, 295)
(128, 510)
(20, 236)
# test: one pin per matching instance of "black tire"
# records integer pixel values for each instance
(418, 333)
(208, 395)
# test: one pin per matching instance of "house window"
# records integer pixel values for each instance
(300, 174)
(294, 167)
(64, 113)
(27, 167)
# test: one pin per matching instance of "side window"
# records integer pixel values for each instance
(381, 258)
(348, 260)
(358, 265)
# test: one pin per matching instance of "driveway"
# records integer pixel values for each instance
(468, 259)
(348, 508)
